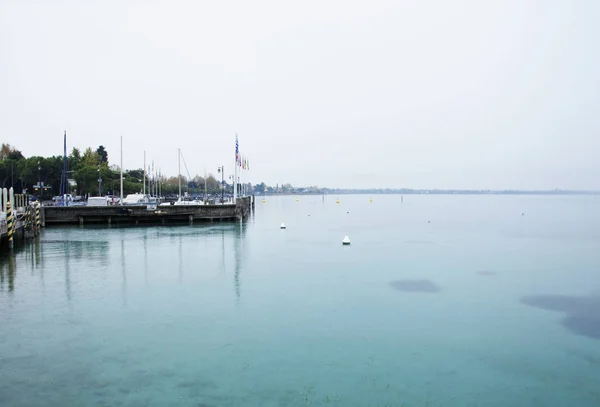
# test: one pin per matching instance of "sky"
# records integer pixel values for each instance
(416, 94)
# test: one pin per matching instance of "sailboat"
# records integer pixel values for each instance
(142, 199)
(180, 200)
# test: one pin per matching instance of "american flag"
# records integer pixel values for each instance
(237, 149)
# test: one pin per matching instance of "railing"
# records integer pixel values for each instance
(17, 201)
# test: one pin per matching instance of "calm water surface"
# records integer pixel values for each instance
(439, 301)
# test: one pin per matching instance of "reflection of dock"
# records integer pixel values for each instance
(141, 215)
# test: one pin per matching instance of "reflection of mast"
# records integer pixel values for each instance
(67, 273)
(180, 259)
(145, 255)
(123, 271)
(223, 247)
(239, 236)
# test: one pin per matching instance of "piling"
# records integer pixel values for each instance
(9, 224)
(37, 215)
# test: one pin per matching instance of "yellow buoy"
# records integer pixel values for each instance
(297, 200)
(371, 200)
(264, 201)
(337, 201)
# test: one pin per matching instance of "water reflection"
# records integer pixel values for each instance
(239, 236)
(12, 271)
(67, 271)
(123, 272)
(145, 240)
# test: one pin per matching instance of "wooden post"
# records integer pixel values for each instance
(9, 225)
(37, 214)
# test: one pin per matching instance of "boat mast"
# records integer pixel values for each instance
(144, 190)
(179, 170)
(121, 196)
(63, 178)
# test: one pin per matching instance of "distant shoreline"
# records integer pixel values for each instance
(433, 192)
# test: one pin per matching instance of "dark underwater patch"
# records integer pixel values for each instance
(415, 286)
(582, 313)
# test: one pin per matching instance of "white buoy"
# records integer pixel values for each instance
(282, 226)
(346, 240)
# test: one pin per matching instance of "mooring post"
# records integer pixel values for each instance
(9, 224)
(37, 214)
(81, 221)
(191, 219)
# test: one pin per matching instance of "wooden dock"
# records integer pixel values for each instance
(139, 215)
(18, 214)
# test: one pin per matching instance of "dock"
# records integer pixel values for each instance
(18, 218)
(140, 215)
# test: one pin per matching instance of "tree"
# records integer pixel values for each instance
(90, 158)
(211, 183)
(9, 152)
(260, 188)
(102, 154)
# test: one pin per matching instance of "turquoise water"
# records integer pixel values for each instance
(439, 301)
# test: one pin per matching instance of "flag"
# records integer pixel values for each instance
(237, 149)
(248, 165)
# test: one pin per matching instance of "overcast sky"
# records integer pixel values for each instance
(421, 94)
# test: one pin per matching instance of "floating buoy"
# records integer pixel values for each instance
(337, 201)
(370, 200)
(297, 200)
(282, 226)
(264, 201)
(346, 240)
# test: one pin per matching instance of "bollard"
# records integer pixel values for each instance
(9, 224)
(27, 218)
(37, 215)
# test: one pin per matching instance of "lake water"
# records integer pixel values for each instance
(438, 301)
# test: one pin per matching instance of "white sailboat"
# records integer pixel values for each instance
(180, 199)
(142, 199)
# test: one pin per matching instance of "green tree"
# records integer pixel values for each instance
(260, 188)
(102, 154)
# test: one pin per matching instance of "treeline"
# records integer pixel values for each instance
(41, 176)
